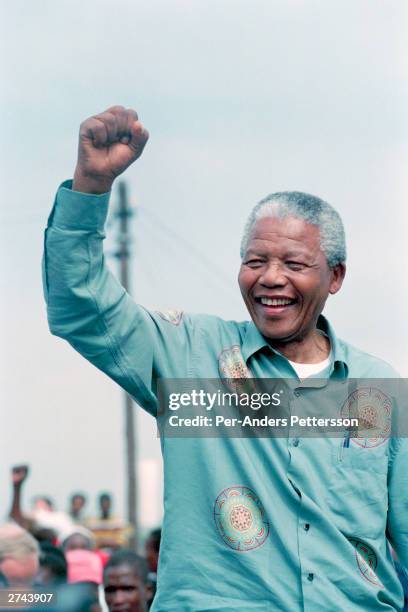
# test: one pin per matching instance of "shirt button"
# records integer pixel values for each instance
(310, 577)
(306, 526)
(297, 393)
(295, 441)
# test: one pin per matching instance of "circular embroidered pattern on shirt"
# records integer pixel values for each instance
(240, 518)
(232, 367)
(171, 316)
(373, 409)
(366, 561)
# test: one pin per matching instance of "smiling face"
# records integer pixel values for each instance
(285, 279)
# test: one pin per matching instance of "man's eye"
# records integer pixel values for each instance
(254, 263)
(130, 589)
(295, 265)
(127, 589)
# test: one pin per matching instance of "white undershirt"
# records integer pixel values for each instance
(304, 370)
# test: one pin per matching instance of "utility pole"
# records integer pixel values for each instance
(123, 254)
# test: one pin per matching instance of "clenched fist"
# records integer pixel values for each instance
(19, 473)
(108, 144)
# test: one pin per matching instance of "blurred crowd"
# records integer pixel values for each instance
(88, 564)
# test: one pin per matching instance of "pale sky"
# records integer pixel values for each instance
(242, 98)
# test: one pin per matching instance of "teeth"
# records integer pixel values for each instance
(275, 302)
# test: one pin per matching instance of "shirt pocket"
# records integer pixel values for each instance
(357, 495)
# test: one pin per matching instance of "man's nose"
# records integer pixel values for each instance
(273, 276)
(119, 597)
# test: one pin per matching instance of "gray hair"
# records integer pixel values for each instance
(309, 208)
(16, 542)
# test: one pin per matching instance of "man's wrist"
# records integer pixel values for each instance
(91, 184)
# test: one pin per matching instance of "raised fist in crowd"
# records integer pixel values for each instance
(19, 473)
(108, 144)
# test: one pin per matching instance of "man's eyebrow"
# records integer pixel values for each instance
(253, 251)
(260, 252)
(118, 587)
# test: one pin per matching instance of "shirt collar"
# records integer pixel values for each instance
(338, 353)
(254, 341)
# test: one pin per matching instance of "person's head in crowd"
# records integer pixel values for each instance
(80, 539)
(76, 505)
(53, 566)
(19, 555)
(152, 547)
(84, 566)
(105, 505)
(124, 580)
(45, 504)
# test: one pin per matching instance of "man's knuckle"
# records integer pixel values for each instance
(132, 114)
(117, 108)
(85, 124)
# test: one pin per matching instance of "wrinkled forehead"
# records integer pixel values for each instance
(288, 232)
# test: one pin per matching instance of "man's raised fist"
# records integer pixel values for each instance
(108, 144)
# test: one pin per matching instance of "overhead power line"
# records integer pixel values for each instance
(176, 240)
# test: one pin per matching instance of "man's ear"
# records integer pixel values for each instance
(337, 277)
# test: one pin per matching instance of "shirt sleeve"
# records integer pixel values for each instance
(87, 306)
(398, 499)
